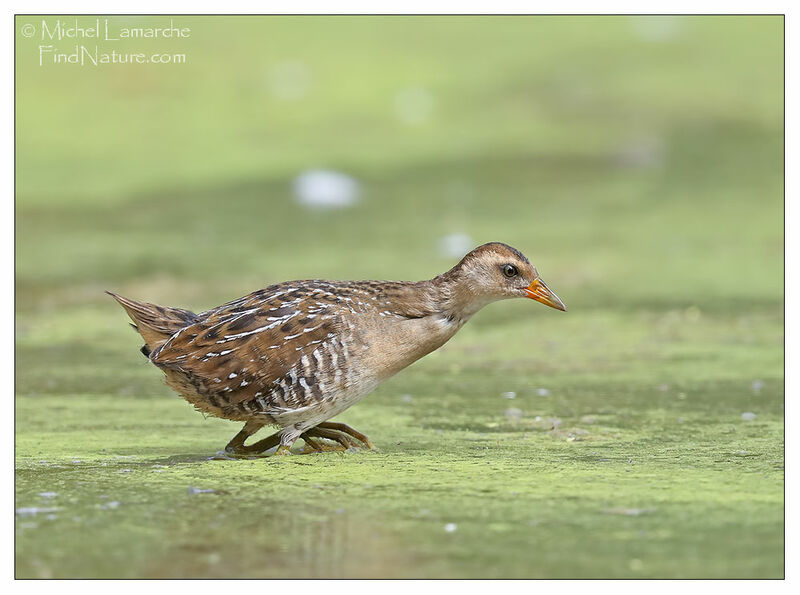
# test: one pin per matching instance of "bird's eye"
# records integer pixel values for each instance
(510, 271)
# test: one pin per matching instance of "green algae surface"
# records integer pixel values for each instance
(640, 434)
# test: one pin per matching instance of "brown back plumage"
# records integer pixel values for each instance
(155, 323)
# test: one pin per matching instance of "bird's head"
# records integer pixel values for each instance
(496, 271)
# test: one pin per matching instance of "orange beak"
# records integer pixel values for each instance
(541, 293)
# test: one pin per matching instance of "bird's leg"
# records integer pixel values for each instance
(236, 445)
(287, 437)
(332, 425)
(264, 444)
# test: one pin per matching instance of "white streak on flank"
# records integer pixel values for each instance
(290, 337)
(211, 354)
(232, 375)
(311, 329)
(244, 383)
(317, 357)
(227, 351)
(217, 380)
(334, 358)
(258, 394)
(337, 373)
(304, 384)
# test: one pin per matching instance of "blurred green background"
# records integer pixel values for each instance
(637, 161)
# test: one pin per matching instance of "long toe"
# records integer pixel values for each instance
(363, 438)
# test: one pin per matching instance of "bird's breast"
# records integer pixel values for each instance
(394, 344)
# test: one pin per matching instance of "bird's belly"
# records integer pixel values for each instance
(335, 400)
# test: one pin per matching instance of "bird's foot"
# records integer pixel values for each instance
(353, 433)
(283, 450)
(344, 436)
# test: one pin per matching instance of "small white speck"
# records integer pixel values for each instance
(48, 494)
(748, 416)
(455, 245)
(321, 189)
(289, 81)
(509, 395)
(451, 527)
(233, 375)
(542, 392)
(413, 105)
(757, 386)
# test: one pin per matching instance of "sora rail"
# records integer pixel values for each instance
(295, 354)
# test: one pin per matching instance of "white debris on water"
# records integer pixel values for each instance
(193, 490)
(757, 386)
(34, 510)
(509, 395)
(48, 494)
(451, 527)
(543, 392)
(657, 28)
(455, 245)
(406, 398)
(288, 81)
(325, 189)
(414, 105)
(628, 511)
(513, 414)
(748, 416)
(641, 153)
(108, 505)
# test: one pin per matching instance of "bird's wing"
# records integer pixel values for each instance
(243, 349)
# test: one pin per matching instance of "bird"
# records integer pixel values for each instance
(296, 354)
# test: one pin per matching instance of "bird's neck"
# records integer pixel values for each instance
(454, 297)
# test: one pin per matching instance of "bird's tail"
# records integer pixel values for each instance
(154, 323)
